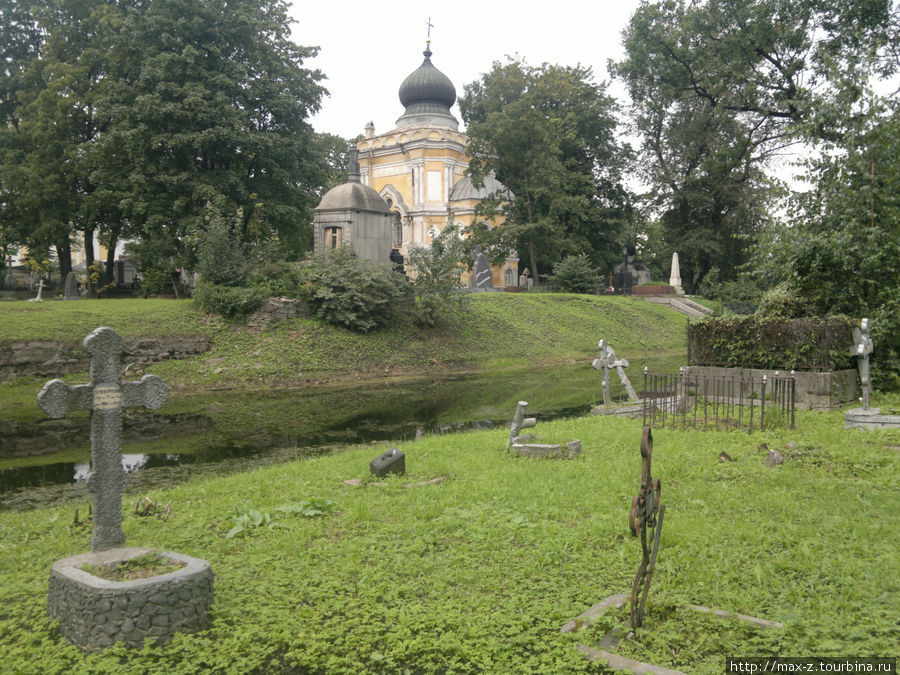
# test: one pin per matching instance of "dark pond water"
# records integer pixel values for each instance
(224, 432)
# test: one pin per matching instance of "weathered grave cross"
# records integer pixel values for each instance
(645, 520)
(606, 361)
(105, 397)
(862, 347)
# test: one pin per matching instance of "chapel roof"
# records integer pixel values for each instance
(427, 94)
(353, 196)
(464, 189)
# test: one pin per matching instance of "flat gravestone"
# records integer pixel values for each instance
(105, 397)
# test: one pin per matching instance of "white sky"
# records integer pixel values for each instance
(368, 48)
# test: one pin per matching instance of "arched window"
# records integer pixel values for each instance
(332, 238)
(508, 277)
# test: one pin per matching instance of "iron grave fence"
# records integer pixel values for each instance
(729, 402)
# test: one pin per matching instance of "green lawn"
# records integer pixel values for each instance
(479, 572)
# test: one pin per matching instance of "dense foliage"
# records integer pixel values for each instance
(345, 290)
(549, 135)
(719, 88)
(575, 274)
(770, 342)
(436, 272)
(123, 120)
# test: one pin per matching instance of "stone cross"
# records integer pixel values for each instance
(105, 397)
(40, 289)
(519, 422)
(606, 361)
(862, 347)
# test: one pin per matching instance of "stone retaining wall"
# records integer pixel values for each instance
(95, 613)
(47, 358)
(277, 308)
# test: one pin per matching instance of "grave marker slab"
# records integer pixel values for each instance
(104, 396)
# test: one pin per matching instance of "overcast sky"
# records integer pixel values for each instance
(368, 48)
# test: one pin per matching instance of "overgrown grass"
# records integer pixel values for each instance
(479, 572)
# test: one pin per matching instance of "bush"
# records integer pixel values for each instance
(222, 259)
(768, 342)
(784, 302)
(345, 290)
(575, 274)
(233, 302)
(436, 270)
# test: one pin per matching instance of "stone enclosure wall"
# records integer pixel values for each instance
(47, 358)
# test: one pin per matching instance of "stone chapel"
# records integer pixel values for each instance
(418, 170)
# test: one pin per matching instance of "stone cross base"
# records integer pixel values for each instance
(95, 613)
(524, 448)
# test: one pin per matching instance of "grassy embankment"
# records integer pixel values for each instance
(479, 572)
(495, 331)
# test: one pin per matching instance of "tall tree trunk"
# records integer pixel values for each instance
(532, 259)
(110, 270)
(64, 256)
(89, 261)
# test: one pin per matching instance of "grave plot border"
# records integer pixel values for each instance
(95, 613)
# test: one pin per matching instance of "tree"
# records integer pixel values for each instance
(549, 135)
(126, 118)
(721, 87)
(436, 272)
(841, 250)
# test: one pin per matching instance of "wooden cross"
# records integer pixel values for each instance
(105, 397)
(862, 347)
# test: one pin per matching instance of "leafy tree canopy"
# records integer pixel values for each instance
(548, 134)
(126, 118)
(720, 87)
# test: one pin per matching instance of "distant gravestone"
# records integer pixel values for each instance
(606, 361)
(105, 397)
(71, 288)
(675, 277)
(862, 347)
(482, 276)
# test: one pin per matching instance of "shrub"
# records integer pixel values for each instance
(768, 342)
(575, 274)
(436, 271)
(784, 302)
(221, 259)
(232, 302)
(345, 290)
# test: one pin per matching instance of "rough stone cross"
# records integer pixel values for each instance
(862, 347)
(606, 361)
(105, 397)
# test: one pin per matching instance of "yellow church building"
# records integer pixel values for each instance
(418, 168)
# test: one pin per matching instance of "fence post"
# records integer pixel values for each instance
(644, 400)
(793, 397)
(762, 412)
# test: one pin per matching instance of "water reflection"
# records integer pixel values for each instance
(232, 431)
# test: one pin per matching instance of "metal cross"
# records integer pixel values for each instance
(862, 347)
(645, 520)
(430, 26)
(105, 397)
